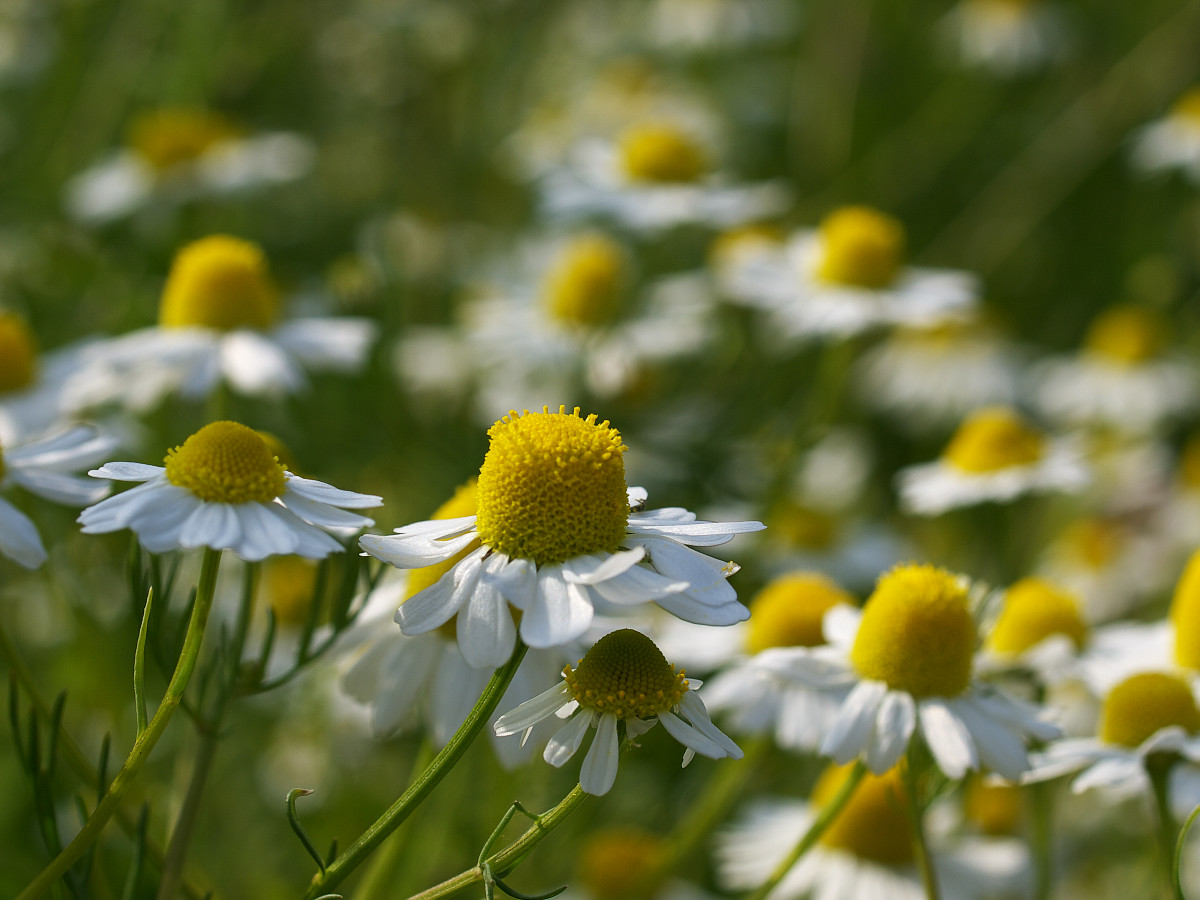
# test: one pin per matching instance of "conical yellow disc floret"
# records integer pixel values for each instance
(616, 863)
(1188, 106)
(626, 675)
(992, 439)
(225, 462)
(583, 287)
(861, 247)
(874, 822)
(1126, 334)
(219, 282)
(790, 610)
(1185, 615)
(1142, 704)
(18, 353)
(168, 137)
(1034, 609)
(552, 487)
(917, 634)
(660, 153)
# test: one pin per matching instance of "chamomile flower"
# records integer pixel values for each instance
(1038, 624)
(555, 536)
(865, 853)
(1006, 37)
(175, 155)
(847, 276)
(44, 467)
(622, 686)
(1173, 141)
(907, 662)
(654, 176)
(994, 456)
(220, 320)
(224, 489)
(1124, 376)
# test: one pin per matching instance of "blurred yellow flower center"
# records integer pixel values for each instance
(1094, 542)
(552, 487)
(917, 634)
(1034, 609)
(874, 822)
(1126, 334)
(614, 864)
(861, 247)
(225, 462)
(289, 583)
(583, 287)
(995, 809)
(803, 527)
(1188, 106)
(993, 439)
(169, 137)
(660, 153)
(789, 611)
(18, 353)
(626, 675)
(1185, 615)
(1189, 462)
(1141, 705)
(219, 282)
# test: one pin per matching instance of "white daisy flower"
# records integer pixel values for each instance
(622, 686)
(1007, 37)
(907, 663)
(224, 489)
(844, 278)
(1039, 628)
(994, 456)
(1173, 141)
(555, 536)
(44, 467)
(652, 178)
(699, 26)
(865, 853)
(176, 155)
(219, 321)
(1123, 378)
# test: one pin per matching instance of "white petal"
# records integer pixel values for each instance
(433, 606)
(855, 723)
(690, 737)
(894, 724)
(947, 738)
(693, 707)
(567, 739)
(599, 769)
(698, 534)
(253, 364)
(560, 612)
(486, 633)
(73, 490)
(127, 471)
(595, 569)
(527, 714)
(323, 514)
(328, 342)
(413, 552)
(320, 492)
(19, 539)
(402, 679)
(214, 525)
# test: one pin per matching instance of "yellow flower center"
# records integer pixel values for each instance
(219, 282)
(583, 287)
(861, 247)
(917, 634)
(803, 527)
(995, 809)
(1035, 609)
(225, 462)
(1189, 462)
(1142, 704)
(1185, 615)
(789, 611)
(552, 487)
(660, 153)
(1126, 334)
(289, 583)
(626, 675)
(993, 439)
(1095, 543)
(1187, 107)
(874, 822)
(169, 137)
(615, 863)
(18, 353)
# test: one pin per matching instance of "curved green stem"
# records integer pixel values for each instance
(425, 782)
(1177, 868)
(145, 742)
(1158, 767)
(824, 819)
(1042, 802)
(911, 776)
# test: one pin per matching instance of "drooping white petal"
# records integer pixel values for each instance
(414, 551)
(320, 492)
(328, 342)
(855, 723)
(599, 769)
(527, 714)
(693, 707)
(596, 569)
(433, 606)
(894, 724)
(947, 738)
(560, 611)
(127, 471)
(486, 633)
(697, 534)
(19, 539)
(323, 514)
(402, 678)
(567, 739)
(254, 364)
(215, 525)
(690, 737)
(74, 490)
(1000, 748)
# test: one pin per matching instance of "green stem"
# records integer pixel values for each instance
(1177, 867)
(916, 817)
(507, 859)
(145, 742)
(1158, 767)
(425, 782)
(824, 819)
(1042, 802)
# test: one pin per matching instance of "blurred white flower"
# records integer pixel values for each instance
(1173, 141)
(1007, 37)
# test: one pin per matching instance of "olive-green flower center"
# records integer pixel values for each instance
(583, 287)
(874, 822)
(1142, 704)
(861, 247)
(917, 633)
(219, 282)
(626, 675)
(552, 487)
(993, 439)
(1126, 334)
(1034, 609)
(660, 153)
(18, 353)
(225, 462)
(789, 611)
(168, 137)
(616, 863)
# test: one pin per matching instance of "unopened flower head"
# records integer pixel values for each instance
(622, 686)
(219, 282)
